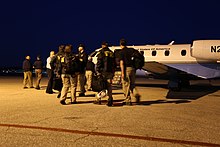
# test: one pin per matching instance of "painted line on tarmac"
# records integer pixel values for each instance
(113, 135)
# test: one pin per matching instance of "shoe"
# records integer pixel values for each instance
(128, 103)
(58, 96)
(137, 96)
(110, 102)
(63, 102)
(32, 87)
(25, 87)
(102, 94)
(98, 101)
(82, 94)
(51, 92)
(38, 88)
(74, 102)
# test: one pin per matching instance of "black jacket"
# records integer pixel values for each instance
(90, 66)
(69, 64)
(38, 64)
(126, 56)
(55, 62)
(26, 65)
(105, 61)
(83, 58)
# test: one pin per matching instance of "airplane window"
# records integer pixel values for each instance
(183, 52)
(154, 53)
(167, 53)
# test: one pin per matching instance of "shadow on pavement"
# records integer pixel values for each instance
(88, 95)
(163, 102)
(152, 85)
(147, 103)
(192, 93)
(119, 102)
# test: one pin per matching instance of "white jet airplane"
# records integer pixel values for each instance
(179, 62)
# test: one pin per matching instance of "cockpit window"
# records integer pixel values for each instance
(183, 52)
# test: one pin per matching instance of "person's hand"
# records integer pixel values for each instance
(122, 76)
(58, 75)
(98, 74)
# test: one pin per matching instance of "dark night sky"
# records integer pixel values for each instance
(36, 27)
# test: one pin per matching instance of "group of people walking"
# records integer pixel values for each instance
(66, 70)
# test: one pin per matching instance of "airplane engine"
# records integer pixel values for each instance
(206, 49)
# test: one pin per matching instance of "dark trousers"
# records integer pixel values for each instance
(50, 81)
(57, 84)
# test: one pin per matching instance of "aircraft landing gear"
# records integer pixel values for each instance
(176, 84)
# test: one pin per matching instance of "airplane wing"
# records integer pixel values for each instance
(156, 67)
(201, 70)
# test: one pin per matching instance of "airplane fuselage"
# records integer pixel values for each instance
(200, 59)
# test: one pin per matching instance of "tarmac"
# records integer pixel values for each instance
(191, 117)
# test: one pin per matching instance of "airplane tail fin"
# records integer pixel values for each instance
(171, 43)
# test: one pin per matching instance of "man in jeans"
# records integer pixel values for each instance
(128, 73)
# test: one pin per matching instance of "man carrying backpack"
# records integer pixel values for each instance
(128, 72)
(106, 67)
(69, 78)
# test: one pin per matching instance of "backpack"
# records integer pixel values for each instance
(58, 65)
(108, 61)
(98, 83)
(69, 64)
(137, 59)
